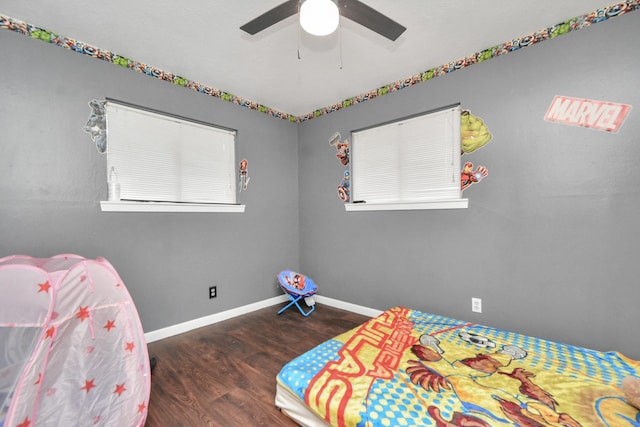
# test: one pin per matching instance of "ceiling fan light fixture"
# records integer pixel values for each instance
(319, 17)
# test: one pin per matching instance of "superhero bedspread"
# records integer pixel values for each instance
(408, 368)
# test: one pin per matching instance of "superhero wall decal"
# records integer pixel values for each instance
(96, 125)
(474, 134)
(243, 175)
(342, 148)
(342, 154)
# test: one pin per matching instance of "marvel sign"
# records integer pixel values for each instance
(601, 115)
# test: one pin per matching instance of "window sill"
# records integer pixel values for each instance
(439, 204)
(130, 206)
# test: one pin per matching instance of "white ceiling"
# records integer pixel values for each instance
(200, 40)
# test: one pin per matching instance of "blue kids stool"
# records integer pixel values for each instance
(297, 286)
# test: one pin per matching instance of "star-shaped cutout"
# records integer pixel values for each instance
(110, 325)
(129, 346)
(44, 287)
(83, 313)
(88, 385)
(120, 389)
(25, 423)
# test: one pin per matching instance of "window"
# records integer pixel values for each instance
(167, 160)
(412, 163)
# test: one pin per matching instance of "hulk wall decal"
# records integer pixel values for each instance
(474, 134)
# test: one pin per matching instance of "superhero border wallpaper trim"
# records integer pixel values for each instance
(565, 27)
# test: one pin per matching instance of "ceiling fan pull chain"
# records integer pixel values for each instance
(299, 32)
(340, 42)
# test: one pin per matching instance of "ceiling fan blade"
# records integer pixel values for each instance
(371, 18)
(275, 15)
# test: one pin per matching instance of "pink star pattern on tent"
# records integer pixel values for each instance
(88, 385)
(25, 423)
(120, 388)
(83, 313)
(44, 287)
(110, 325)
(50, 332)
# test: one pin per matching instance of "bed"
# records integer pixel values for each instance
(410, 368)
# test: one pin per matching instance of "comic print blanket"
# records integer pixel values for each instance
(409, 368)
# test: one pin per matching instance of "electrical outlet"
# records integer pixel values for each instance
(213, 291)
(476, 305)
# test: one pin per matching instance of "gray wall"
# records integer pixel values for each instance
(550, 238)
(52, 179)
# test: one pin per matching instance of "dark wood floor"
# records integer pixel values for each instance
(225, 374)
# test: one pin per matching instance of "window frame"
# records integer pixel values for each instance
(448, 202)
(228, 203)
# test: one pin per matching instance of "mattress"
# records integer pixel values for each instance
(410, 368)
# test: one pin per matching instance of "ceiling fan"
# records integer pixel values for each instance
(351, 9)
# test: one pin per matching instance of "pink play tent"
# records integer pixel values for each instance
(72, 347)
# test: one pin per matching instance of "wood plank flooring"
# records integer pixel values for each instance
(225, 374)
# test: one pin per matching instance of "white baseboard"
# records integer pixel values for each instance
(190, 325)
(365, 311)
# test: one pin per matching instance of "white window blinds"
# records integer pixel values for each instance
(163, 158)
(408, 161)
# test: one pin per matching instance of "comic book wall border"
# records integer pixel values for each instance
(551, 32)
